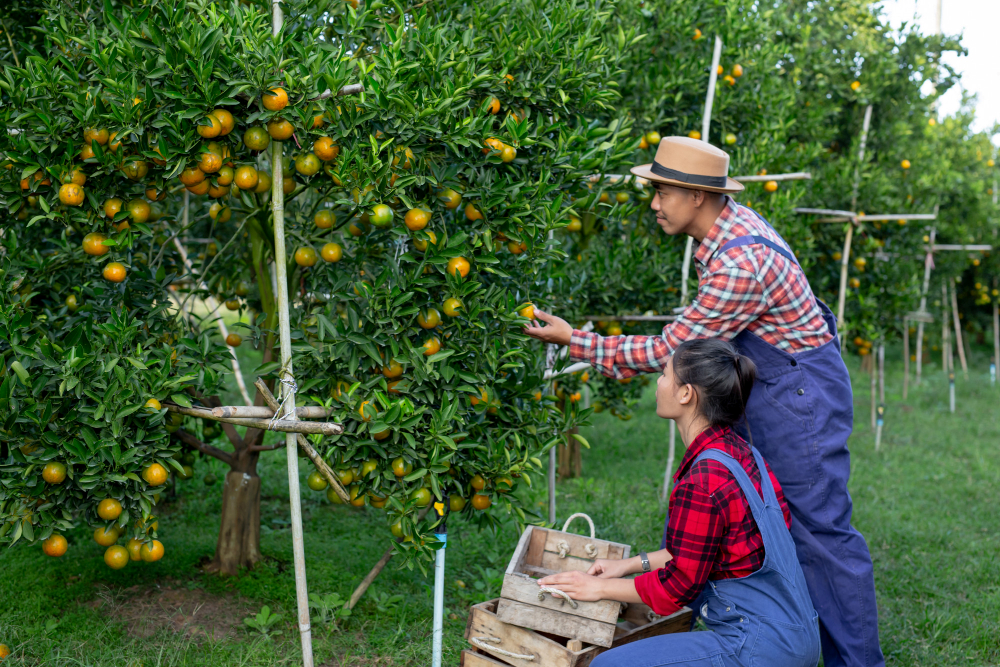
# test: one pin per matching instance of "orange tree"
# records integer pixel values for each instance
(418, 212)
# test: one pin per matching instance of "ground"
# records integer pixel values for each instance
(926, 503)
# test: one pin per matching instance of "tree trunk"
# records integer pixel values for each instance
(570, 458)
(239, 534)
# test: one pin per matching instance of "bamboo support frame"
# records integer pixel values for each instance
(307, 447)
(946, 360)
(958, 332)
(264, 412)
(928, 264)
(880, 421)
(379, 566)
(280, 425)
(906, 358)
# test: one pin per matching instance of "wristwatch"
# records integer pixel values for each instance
(645, 561)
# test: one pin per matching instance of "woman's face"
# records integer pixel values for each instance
(672, 400)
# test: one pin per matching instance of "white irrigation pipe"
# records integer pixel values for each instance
(288, 388)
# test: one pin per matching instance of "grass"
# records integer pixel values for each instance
(926, 503)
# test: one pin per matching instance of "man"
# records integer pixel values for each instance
(752, 291)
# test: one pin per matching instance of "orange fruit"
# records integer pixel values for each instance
(109, 509)
(473, 213)
(771, 186)
(331, 252)
(492, 144)
(55, 545)
(357, 498)
(209, 127)
(217, 191)
(318, 120)
(643, 143)
(367, 411)
(316, 481)
(256, 138)
(288, 185)
(138, 210)
(393, 370)
(280, 129)
(232, 304)
(493, 106)
(135, 170)
(730, 80)
(114, 272)
(508, 153)
(332, 496)
(324, 218)
(234, 340)
(622, 197)
(87, 152)
(478, 483)
(246, 177)
(116, 557)
(452, 307)
(429, 318)
(407, 157)
(225, 119)
(92, 134)
(114, 145)
(93, 244)
(106, 536)
(422, 497)
(401, 467)
(855, 85)
(275, 99)
(855, 283)
(306, 256)
(421, 244)
(528, 311)
(200, 188)
(112, 207)
(155, 474)
(517, 248)
(381, 216)
(210, 162)
(456, 503)
(307, 164)
(574, 225)
(153, 194)
(71, 303)
(153, 405)
(151, 551)
(263, 182)
(451, 198)
(325, 149)
(905, 164)
(737, 70)
(71, 194)
(431, 346)
(481, 502)
(134, 546)
(697, 34)
(416, 219)
(54, 472)
(191, 176)
(458, 266)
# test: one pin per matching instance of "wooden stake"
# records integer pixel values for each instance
(280, 425)
(996, 339)
(906, 358)
(880, 421)
(846, 255)
(874, 394)
(263, 412)
(946, 359)
(928, 263)
(379, 566)
(958, 332)
(668, 475)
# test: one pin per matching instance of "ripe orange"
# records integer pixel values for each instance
(730, 80)
(263, 182)
(694, 134)
(153, 405)
(307, 164)
(109, 509)
(614, 330)
(210, 162)
(458, 266)
(407, 157)
(452, 307)
(697, 34)
(456, 503)
(855, 283)
(106, 536)
(508, 153)
(71, 194)
(481, 502)
(114, 272)
(492, 144)
(93, 244)
(517, 248)
(116, 557)
(367, 410)
(478, 483)
(318, 120)
(87, 152)
(114, 145)
(331, 252)
(225, 119)
(528, 311)
(381, 216)
(280, 129)
(134, 546)
(220, 213)
(191, 176)
(737, 70)
(771, 186)
(155, 474)
(153, 194)
(855, 85)
(357, 498)
(138, 210)
(54, 472)
(151, 551)
(421, 244)
(245, 177)
(643, 143)
(905, 164)
(493, 106)
(92, 134)
(135, 170)
(55, 545)
(288, 185)
(401, 467)
(393, 370)
(325, 149)
(416, 219)
(451, 198)
(234, 340)
(275, 99)
(256, 138)
(431, 346)
(217, 191)
(574, 225)
(200, 188)
(473, 213)
(209, 127)
(112, 207)
(306, 256)
(429, 318)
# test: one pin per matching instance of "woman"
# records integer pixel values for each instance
(728, 549)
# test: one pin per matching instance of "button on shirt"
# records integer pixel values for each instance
(712, 532)
(750, 287)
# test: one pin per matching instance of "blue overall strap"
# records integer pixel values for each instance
(754, 239)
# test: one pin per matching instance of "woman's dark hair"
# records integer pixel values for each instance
(722, 376)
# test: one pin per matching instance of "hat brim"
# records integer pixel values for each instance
(646, 171)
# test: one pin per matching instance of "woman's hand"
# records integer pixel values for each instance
(577, 585)
(558, 330)
(612, 569)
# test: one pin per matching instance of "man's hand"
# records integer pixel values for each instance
(577, 585)
(557, 330)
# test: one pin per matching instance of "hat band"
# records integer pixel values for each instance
(693, 179)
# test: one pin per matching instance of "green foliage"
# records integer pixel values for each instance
(264, 623)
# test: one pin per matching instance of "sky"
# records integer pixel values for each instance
(977, 21)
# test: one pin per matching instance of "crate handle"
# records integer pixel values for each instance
(480, 642)
(555, 592)
(577, 515)
(589, 548)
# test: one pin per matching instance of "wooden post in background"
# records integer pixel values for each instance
(928, 263)
(958, 332)
(945, 332)
(849, 236)
(996, 342)
(906, 357)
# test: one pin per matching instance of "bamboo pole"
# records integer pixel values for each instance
(849, 236)
(958, 332)
(945, 329)
(668, 474)
(906, 357)
(280, 425)
(928, 264)
(379, 566)
(996, 342)
(874, 390)
(264, 412)
(880, 421)
(288, 379)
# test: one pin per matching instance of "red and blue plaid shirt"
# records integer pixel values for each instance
(750, 287)
(712, 533)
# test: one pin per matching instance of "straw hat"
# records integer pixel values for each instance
(689, 163)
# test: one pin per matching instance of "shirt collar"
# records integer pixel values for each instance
(718, 233)
(714, 437)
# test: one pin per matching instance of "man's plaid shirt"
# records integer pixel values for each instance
(746, 287)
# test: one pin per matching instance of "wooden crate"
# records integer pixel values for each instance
(541, 552)
(541, 648)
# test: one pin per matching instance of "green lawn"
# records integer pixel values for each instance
(926, 503)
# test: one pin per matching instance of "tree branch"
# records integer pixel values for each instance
(13, 51)
(265, 448)
(195, 443)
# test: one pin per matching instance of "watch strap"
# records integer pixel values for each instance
(645, 561)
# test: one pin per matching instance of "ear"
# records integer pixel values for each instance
(686, 395)
(697, 197)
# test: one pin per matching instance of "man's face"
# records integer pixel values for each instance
(675, 208)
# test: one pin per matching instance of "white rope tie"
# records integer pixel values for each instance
(290, 390)
(481, 643)
(590, 549)
(563, 549)
(555, 592)
(651, 615)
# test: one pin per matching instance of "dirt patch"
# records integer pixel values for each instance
(172, 606)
